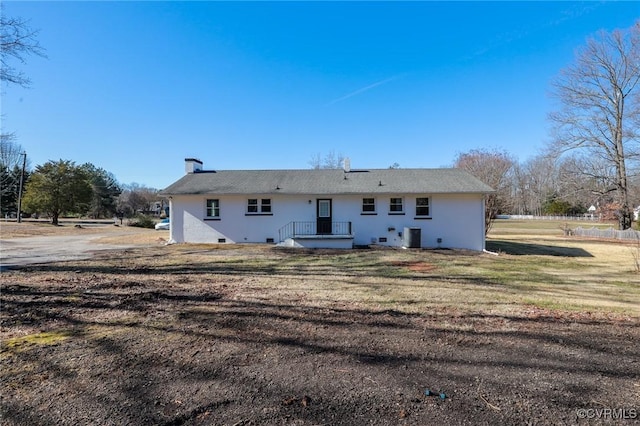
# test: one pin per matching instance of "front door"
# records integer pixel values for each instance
(324, 217)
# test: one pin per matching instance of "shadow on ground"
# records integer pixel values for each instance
(528, 249)
(177, 356)
(126, 339)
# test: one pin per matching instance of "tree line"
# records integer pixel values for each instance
(547, 184)
(63, 188)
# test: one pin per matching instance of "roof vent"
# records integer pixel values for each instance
(347, 165)
(192, 165)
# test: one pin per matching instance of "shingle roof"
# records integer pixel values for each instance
(328, 181)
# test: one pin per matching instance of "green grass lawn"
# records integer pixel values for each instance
(534, 267)
(551, 270)
(543, 227)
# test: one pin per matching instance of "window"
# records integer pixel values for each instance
(324, 208)
(213, 208)
(422, 207)
(266, 205)
(368, 205)
(254, 207)
(396, 205)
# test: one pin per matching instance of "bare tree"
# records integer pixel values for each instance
(600, 107)
(17, 41)
(534, 180)
(494, 169)
(135, 198)
(13, 164)
(10, 151)
(586, 179)
(329, 161)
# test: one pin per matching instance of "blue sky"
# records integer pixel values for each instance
(135, 87)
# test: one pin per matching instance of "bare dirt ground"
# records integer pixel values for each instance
(253, 335)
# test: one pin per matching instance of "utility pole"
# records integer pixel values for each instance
(24, 165)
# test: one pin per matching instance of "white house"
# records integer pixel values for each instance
(426, 208)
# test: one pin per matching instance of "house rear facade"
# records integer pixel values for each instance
(424, 208)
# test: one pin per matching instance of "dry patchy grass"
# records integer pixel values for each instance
(114, 234)
(159, 334)
(537, 266)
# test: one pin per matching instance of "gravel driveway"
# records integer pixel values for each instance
(31, 250)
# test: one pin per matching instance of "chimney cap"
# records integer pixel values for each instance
(192, 165)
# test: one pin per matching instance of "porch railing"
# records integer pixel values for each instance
(306, 229)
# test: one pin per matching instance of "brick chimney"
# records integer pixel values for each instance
(192, 165)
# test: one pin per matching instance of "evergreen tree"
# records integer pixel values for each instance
(106, 191)
(58, 187)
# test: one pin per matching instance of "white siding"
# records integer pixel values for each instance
(457, 219)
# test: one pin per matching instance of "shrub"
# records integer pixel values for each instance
(143, 221)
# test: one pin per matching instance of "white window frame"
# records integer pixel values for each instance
(212, 208)
(372, 204)
(259, 206)
(392, 204)
(265, 205)
(252, 205)
(428, 206)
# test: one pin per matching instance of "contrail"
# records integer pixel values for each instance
(364, 89)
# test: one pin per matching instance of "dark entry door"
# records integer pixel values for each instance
(324, 217)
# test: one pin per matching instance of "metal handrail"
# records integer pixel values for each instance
(300, 229)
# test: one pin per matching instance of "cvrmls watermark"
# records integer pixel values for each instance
(607, 413)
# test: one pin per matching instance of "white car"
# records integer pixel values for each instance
(162, 225)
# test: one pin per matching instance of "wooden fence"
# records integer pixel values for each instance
(627, 234)
(586, 218)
